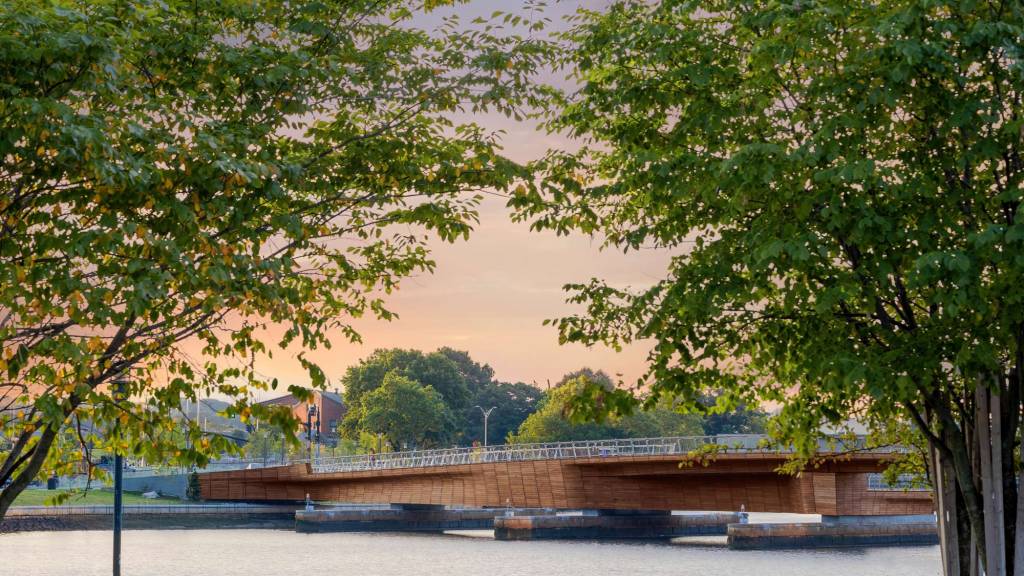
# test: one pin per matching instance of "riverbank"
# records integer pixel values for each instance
(91, 497)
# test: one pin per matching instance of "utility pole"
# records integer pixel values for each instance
(120, 387)
(487, 414)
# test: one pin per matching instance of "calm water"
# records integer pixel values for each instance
(285, 553)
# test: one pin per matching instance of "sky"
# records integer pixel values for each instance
(490, 295)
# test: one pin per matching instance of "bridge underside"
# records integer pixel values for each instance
(838, 488)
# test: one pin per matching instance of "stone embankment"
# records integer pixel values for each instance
(830, 533)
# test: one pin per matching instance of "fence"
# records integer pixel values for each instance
(573, 450)
(903, 483)
(682, 445)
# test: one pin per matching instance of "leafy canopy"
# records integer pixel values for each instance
(407, 413)
(434, 369)
(554, 422)
(177, 177)
(839, 185)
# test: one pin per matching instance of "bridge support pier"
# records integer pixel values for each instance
(896, 530)
(396, 518)
(611, 524)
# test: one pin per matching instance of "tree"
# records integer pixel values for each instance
(407, 413)
(512, 403)
(174, 172)
(840, 186)
(434, 370)
(663, 420)
(477, 376)
(552, 422)
(193, 491)
(271, 444)
(739, 420)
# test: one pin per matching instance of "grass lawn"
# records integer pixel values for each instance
(36, 497)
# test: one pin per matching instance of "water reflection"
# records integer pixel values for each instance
(273, 552)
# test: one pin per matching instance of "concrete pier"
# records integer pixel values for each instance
(837, 531)
(396, 518)
(611, 524)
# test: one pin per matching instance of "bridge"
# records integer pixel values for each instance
(651, 474)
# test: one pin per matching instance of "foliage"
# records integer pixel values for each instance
(727, 420)
(840, 186)
(270, 443)
(193, 491)
(181, 172)
(462, 382)
(550, 423)
(512, 403)
(476, 376)
(406, 412)
(660, 421)
(369, 442)
(433, 369)
(553, 422)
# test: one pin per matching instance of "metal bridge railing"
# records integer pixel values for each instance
(681, 445)
(903, 483)
(568, 450)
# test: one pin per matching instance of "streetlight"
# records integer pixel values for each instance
(120, 386)
(487, 414)
(313, 434)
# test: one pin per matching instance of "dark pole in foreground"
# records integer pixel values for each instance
(119, 389)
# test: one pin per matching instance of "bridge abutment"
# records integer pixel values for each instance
(398, 518)
(835, 531)
(611, 524)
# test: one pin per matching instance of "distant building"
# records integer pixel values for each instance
(329, 405)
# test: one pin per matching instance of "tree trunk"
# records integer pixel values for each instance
(28, 473)
(946, 514)
(991, 477)
(1018, 566)
(974, 468)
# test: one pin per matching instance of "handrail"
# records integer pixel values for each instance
(681, 445)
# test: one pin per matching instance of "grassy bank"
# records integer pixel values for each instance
(35, 497)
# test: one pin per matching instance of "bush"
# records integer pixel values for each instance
(193, 491)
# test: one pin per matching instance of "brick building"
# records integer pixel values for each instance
(329, 405)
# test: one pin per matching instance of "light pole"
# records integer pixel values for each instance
(120, 386)
(487, 414)
(311, 433)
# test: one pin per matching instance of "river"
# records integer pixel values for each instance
(286, 553)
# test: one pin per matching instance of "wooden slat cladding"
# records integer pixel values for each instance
(636, 483)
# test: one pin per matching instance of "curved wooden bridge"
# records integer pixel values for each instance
(637, 474)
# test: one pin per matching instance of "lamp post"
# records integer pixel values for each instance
(311, 433)
(120, 386)
(487, 414)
